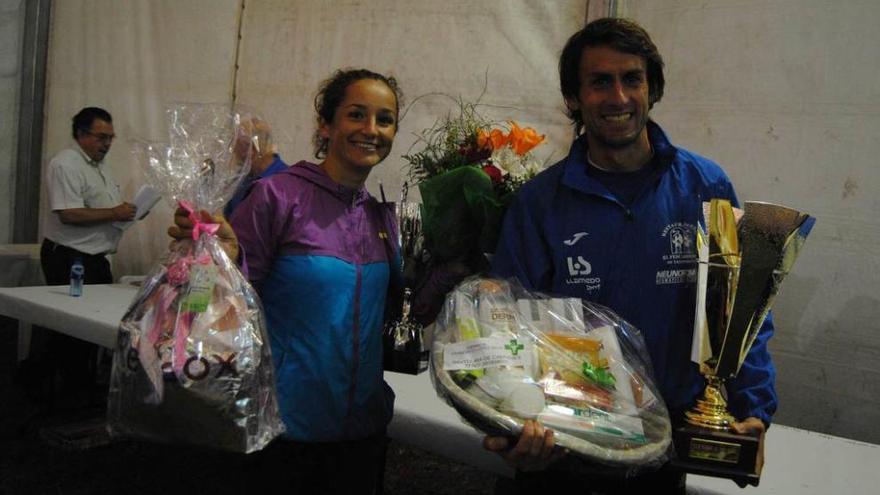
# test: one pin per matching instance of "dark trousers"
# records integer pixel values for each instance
(331, 468)
(57, 259)
(596, 479)
(68, 366)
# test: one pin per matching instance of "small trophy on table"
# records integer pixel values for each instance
(742, 264)
(405, 349)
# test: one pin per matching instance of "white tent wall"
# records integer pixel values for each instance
(509, 48)
(785, 96)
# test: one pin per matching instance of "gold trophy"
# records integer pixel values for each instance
(744, 256)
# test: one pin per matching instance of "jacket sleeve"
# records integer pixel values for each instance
(255, 223)
(753, 391)
(522, 250)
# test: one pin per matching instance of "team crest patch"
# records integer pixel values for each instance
(680, 250)
(680, 238)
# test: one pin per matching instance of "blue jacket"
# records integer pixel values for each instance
(566, 234)
(248, 182)
(317, 252)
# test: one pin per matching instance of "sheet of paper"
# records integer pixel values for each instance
(144, 200)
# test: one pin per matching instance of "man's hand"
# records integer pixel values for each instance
(534, 450)
(753, 426)
(124, 212)
(181, 231)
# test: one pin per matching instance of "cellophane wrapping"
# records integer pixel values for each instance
(501, 355)
(192, 362)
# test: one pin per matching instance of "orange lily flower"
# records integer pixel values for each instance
(483, 141)
(523, 140)
(494, 139)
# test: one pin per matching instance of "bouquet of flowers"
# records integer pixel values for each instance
(467, 171)
(501, 355)
(192, 360)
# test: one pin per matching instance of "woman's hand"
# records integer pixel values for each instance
(181, 231)
(534, 450)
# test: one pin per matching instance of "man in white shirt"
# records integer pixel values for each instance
(84, 202)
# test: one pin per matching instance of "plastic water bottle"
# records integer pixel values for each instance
(77, 274)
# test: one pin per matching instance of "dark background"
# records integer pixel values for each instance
(34, 461)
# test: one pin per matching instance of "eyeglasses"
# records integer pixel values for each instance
(104, 138)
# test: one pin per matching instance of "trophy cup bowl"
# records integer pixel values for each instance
(742, 265)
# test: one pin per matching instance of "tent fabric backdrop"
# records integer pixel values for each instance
(134, 57)
(508, 48)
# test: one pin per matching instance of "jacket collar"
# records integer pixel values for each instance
(317, 176)
(575, 164)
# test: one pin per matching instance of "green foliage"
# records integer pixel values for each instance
(446, 145)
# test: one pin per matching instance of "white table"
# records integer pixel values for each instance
(20, 266)
(798, 461)
(92, 317)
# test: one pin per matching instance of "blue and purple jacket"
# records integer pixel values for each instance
(318, 254)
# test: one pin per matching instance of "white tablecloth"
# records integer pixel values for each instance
(20, 266)
(798, 461)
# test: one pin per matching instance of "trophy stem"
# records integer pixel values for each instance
(710, 411)
(407, 303)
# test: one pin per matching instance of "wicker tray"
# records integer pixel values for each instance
(493, 422)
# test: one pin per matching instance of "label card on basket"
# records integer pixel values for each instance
(201, 286)
(486, 352)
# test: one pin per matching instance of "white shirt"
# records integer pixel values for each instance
(73, 180)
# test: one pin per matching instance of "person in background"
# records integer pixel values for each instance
(265, 161)
(317, 247)
(84, 201)
(601, 225)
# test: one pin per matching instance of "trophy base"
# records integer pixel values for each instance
(721, 454)
(410, 363)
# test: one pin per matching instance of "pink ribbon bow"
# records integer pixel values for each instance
(198, 225)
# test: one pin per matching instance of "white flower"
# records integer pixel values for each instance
(509, 162)
(532, 167)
